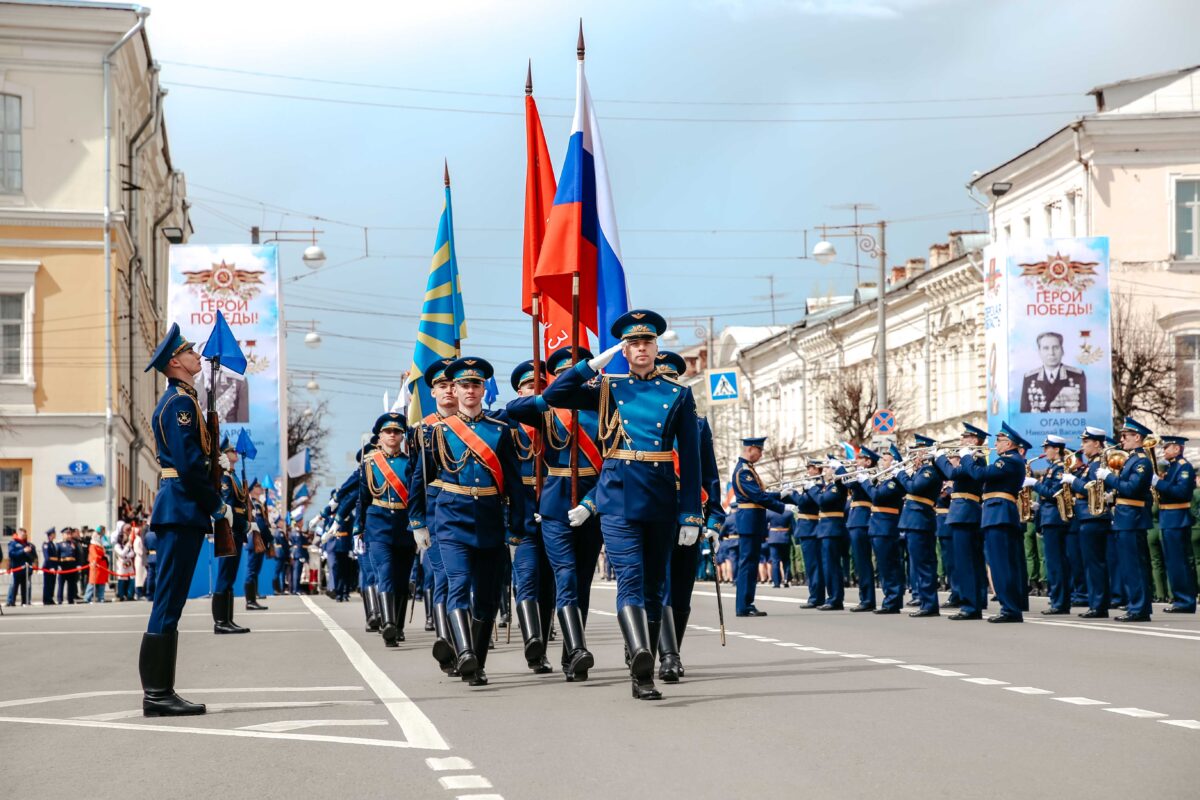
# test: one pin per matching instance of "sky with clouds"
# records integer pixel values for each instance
(730, 127)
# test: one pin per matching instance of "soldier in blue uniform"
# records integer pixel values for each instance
(1001, 520)
(384, 481)
(480, 500)
(21, 560)
(532, 579)
(68, 559)
(234, 495)
(422, 507)
(570, 530)
(1131, 520)
(1116, 579)
(1077, 570)
(918, 521)
(968, 577)
(339, 541)
(643, 417)
(1054, 527)
(887, 498)
(1175, 490)
(185, 508)
(279, 580)
(779, 545)
(298, 553)
(807, 516)
(151, 561)
(49, 567)
(1094, 529)
(831, 530)
(681, 577)
(858, 523)
(753, 503)
(357, 499)
(258, 542)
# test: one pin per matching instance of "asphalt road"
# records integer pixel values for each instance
(804, 702)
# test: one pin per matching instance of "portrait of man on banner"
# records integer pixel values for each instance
(1053, 387)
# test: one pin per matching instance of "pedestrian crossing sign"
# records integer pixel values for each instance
(722, 386)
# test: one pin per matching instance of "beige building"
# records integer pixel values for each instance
(88, 207)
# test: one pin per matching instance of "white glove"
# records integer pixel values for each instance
(688, 534)
(788, 508)
(223, 460)
(712, 536)
(1066, 477)
(963, 452)
(225, 512)
(861, 476)
(332, 505)
(537, 517)
(601, 361)
(939, 453)
(1154, 479)
(1103, 473)
(1028, 482)
(421, 537)
(834, 464)
(578, 515)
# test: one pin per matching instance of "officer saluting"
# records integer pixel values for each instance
(184, 511)
(643, 416)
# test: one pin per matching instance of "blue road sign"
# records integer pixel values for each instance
(722, 386)
(884, 421)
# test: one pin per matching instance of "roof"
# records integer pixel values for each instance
(1152, 77)
(77, 4)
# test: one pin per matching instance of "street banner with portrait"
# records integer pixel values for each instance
(1046, 322)
(242, 282)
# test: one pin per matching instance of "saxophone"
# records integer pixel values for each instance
(1064, 498)
(1149, 443)
(1025, 499)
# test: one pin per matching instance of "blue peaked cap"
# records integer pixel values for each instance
(172, 345)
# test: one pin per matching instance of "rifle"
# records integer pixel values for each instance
(223, 543)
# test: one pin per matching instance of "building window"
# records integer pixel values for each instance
(10, 143)
(1187, 219)
(12, 338)
(1187, 374)
(1027, 226)
(1071, 222)
(10, 500)
(1048, 218)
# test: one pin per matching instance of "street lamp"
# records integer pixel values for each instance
(314, 257)
(313, 386)
(824, 253)
(312, 338)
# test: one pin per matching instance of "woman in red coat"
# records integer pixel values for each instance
(97, 568)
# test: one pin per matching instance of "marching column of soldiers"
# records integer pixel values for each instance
(624, 463)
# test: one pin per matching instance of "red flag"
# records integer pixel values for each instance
(540, 189)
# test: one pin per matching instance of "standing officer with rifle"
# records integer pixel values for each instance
(234, 495)
(185, 510)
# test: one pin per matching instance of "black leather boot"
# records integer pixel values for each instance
(531, 633)
(576, 658)
(636, 630)
(401, 601)
(481, 633)
(387, 625)
(156, 665)
(681, 623)
(460, 633)
(371, 609)
(252, 603)
(222, 611)
(443, 646)
(427, 601)
(668, 648)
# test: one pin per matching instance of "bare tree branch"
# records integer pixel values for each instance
(1143, 367)
(306, 430)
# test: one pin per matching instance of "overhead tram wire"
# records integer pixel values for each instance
(732, 103)
(617, 118)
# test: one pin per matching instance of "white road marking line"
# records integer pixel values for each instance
(218, 707)
(1137, 631)
(1191, 724)
(300, 724)
(945, 673)
(885, 661)
(419, 730)
(465, 782)
(85, 615)
(829, 652)
(159, 729)
(855, 655)
(1080, 701)
(479, 797)
(755, 638)
(727, 633)
(808, 648)
(139, 632)
(767, 640)
(985, 681)
(1140, 713)
(786, 644)
(1028, 690)
(30, 701)
(443, 764)
(917, 667)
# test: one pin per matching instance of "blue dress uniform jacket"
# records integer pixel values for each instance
(1046, 488)
(555, 501)
(1132, 485)
(831, 501)
(527, 450)
(887, 497)
(1175, 495)
(650, 417)
(807, 513)
(966, 496)
(468, 506)
(859, 513)
(234, 495)
(384, 511)
(710, 478)
(921, 491)
(49, 555)
(186, 497)
(779, 527)
(752, 500)
(1002, 481)
(1079, 488)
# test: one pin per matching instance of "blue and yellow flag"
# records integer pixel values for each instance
(443, 323)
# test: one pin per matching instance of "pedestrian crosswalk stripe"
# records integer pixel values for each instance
(1030, 690)
(1192, 724)
(1081, 701)
(985, 681)
(1141, 713)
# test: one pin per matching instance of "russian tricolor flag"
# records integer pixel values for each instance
(581, 234)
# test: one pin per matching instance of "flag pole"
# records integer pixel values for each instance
(579, 49)
(536, 320)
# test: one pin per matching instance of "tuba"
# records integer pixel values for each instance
(1151, 442)
(1025, 499)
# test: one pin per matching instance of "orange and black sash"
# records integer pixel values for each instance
(381, 463)
(587, 445)
(479, 447)
(703, 491)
